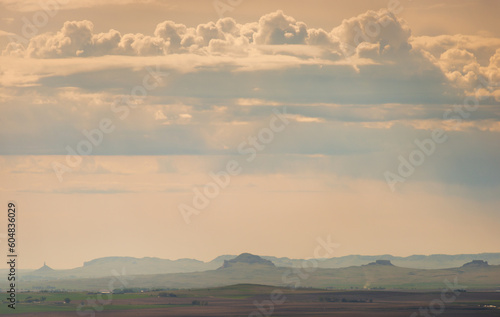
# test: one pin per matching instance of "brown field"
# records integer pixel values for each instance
(306, 303)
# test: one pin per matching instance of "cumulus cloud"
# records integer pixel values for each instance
(482, 47)
(468, 62)
(74, 39)
(460, 66)
(371, 38)
(389, 34)
(278, 28)
(172, 33)
(319, 37)
(141, 45)
(493, 70)
(77, 39)
(225, 36)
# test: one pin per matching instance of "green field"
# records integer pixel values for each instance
(55, 302)
(232, 296)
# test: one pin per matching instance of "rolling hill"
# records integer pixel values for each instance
(255, 270)
(149, 265)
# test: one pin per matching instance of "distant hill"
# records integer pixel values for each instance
(136, 266)
(435, 261)
(45, 269)
(133, 266)
(246, 258)
(381, 262)
(250, 269)
(43, 273)
(476, 263)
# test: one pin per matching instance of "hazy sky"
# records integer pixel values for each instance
(179, 87)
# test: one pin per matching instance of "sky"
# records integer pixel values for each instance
(192, 129)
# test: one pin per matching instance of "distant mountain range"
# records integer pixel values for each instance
(135, 266)
(435, 261)
(251, 269)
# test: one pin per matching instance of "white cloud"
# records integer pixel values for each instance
(482, 47)
(278, 28)
(172, 33)
(460, 66)
(277, 60)
(383, 28)
(492, 72)
(74, 39)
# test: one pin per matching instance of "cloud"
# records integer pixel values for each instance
(172, 33)
(464, 69)
(74, 39)
(492, 72)
(225, 78)
(140, 45)
(482, 47)
(369, 38)
(469, 62)
(225, 36)
(388, 34)
(77, 39)
(460, 67)
(278, 28)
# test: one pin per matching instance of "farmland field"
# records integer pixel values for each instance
(259, 300)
